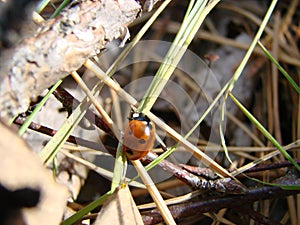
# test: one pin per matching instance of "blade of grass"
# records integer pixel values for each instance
(280, 68)
(103, 172)
(61, 6)
(137, 38)
(243, 63)
(119, 168)
(153, 191)
(195, 15)
(81, 213)
(264, 158)
(206, 160)
(240, 69)
(264, 131)
(291, 187)
(52, 147)
(39, 106)
(95, 102)
(173, 148)
(42, 5)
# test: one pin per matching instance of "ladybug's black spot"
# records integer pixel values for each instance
(129, 152)
(142, 141)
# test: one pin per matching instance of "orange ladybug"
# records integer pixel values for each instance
(139, 136)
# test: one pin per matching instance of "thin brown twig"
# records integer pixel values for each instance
(72, 139)
(212, 204)
(70, 103)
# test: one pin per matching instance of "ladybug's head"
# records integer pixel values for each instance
(139, 116)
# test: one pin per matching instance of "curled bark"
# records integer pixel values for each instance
(59, 47)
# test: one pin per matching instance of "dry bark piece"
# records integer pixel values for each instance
(60, 47)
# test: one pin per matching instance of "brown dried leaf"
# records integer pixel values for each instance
(119, 209)
(20, 168)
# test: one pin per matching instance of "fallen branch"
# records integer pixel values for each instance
(61, 46)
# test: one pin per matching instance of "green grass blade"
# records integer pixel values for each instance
(52, 147)
(292, 187)
(242, 65)
(119, 167)
(30, 118)
(81, 213)
(191, 24)
(137, 38)
(61, 6)
(265, 132)
(280, 68)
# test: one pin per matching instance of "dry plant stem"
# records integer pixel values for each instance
(177, 137)
(264, 158)
(292, 211)
(275, 49)
(244, 128)
(97, 169)
(269, 102)
(72, 139)
(161, 205)
(212, 204)
(94, 101)
(173, 27)
(69, 103)
(271, 166)
(173, 200)
(287, 20)
(292, 54)
(60, 47)
(254, 163)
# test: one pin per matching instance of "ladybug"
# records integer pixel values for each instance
(139, 136)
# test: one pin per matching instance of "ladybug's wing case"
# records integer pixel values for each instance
(139, 139)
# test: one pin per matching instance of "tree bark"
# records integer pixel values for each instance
(59, 47)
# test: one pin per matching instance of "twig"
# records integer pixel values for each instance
(212, 204)
(72, 139)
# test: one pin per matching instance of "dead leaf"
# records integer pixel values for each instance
(119, 208)
(22, 169)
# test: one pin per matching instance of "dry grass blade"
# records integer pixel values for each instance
(161, 205)
(103, 172)
(263, 158)
(94, 101)
(190, 147)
